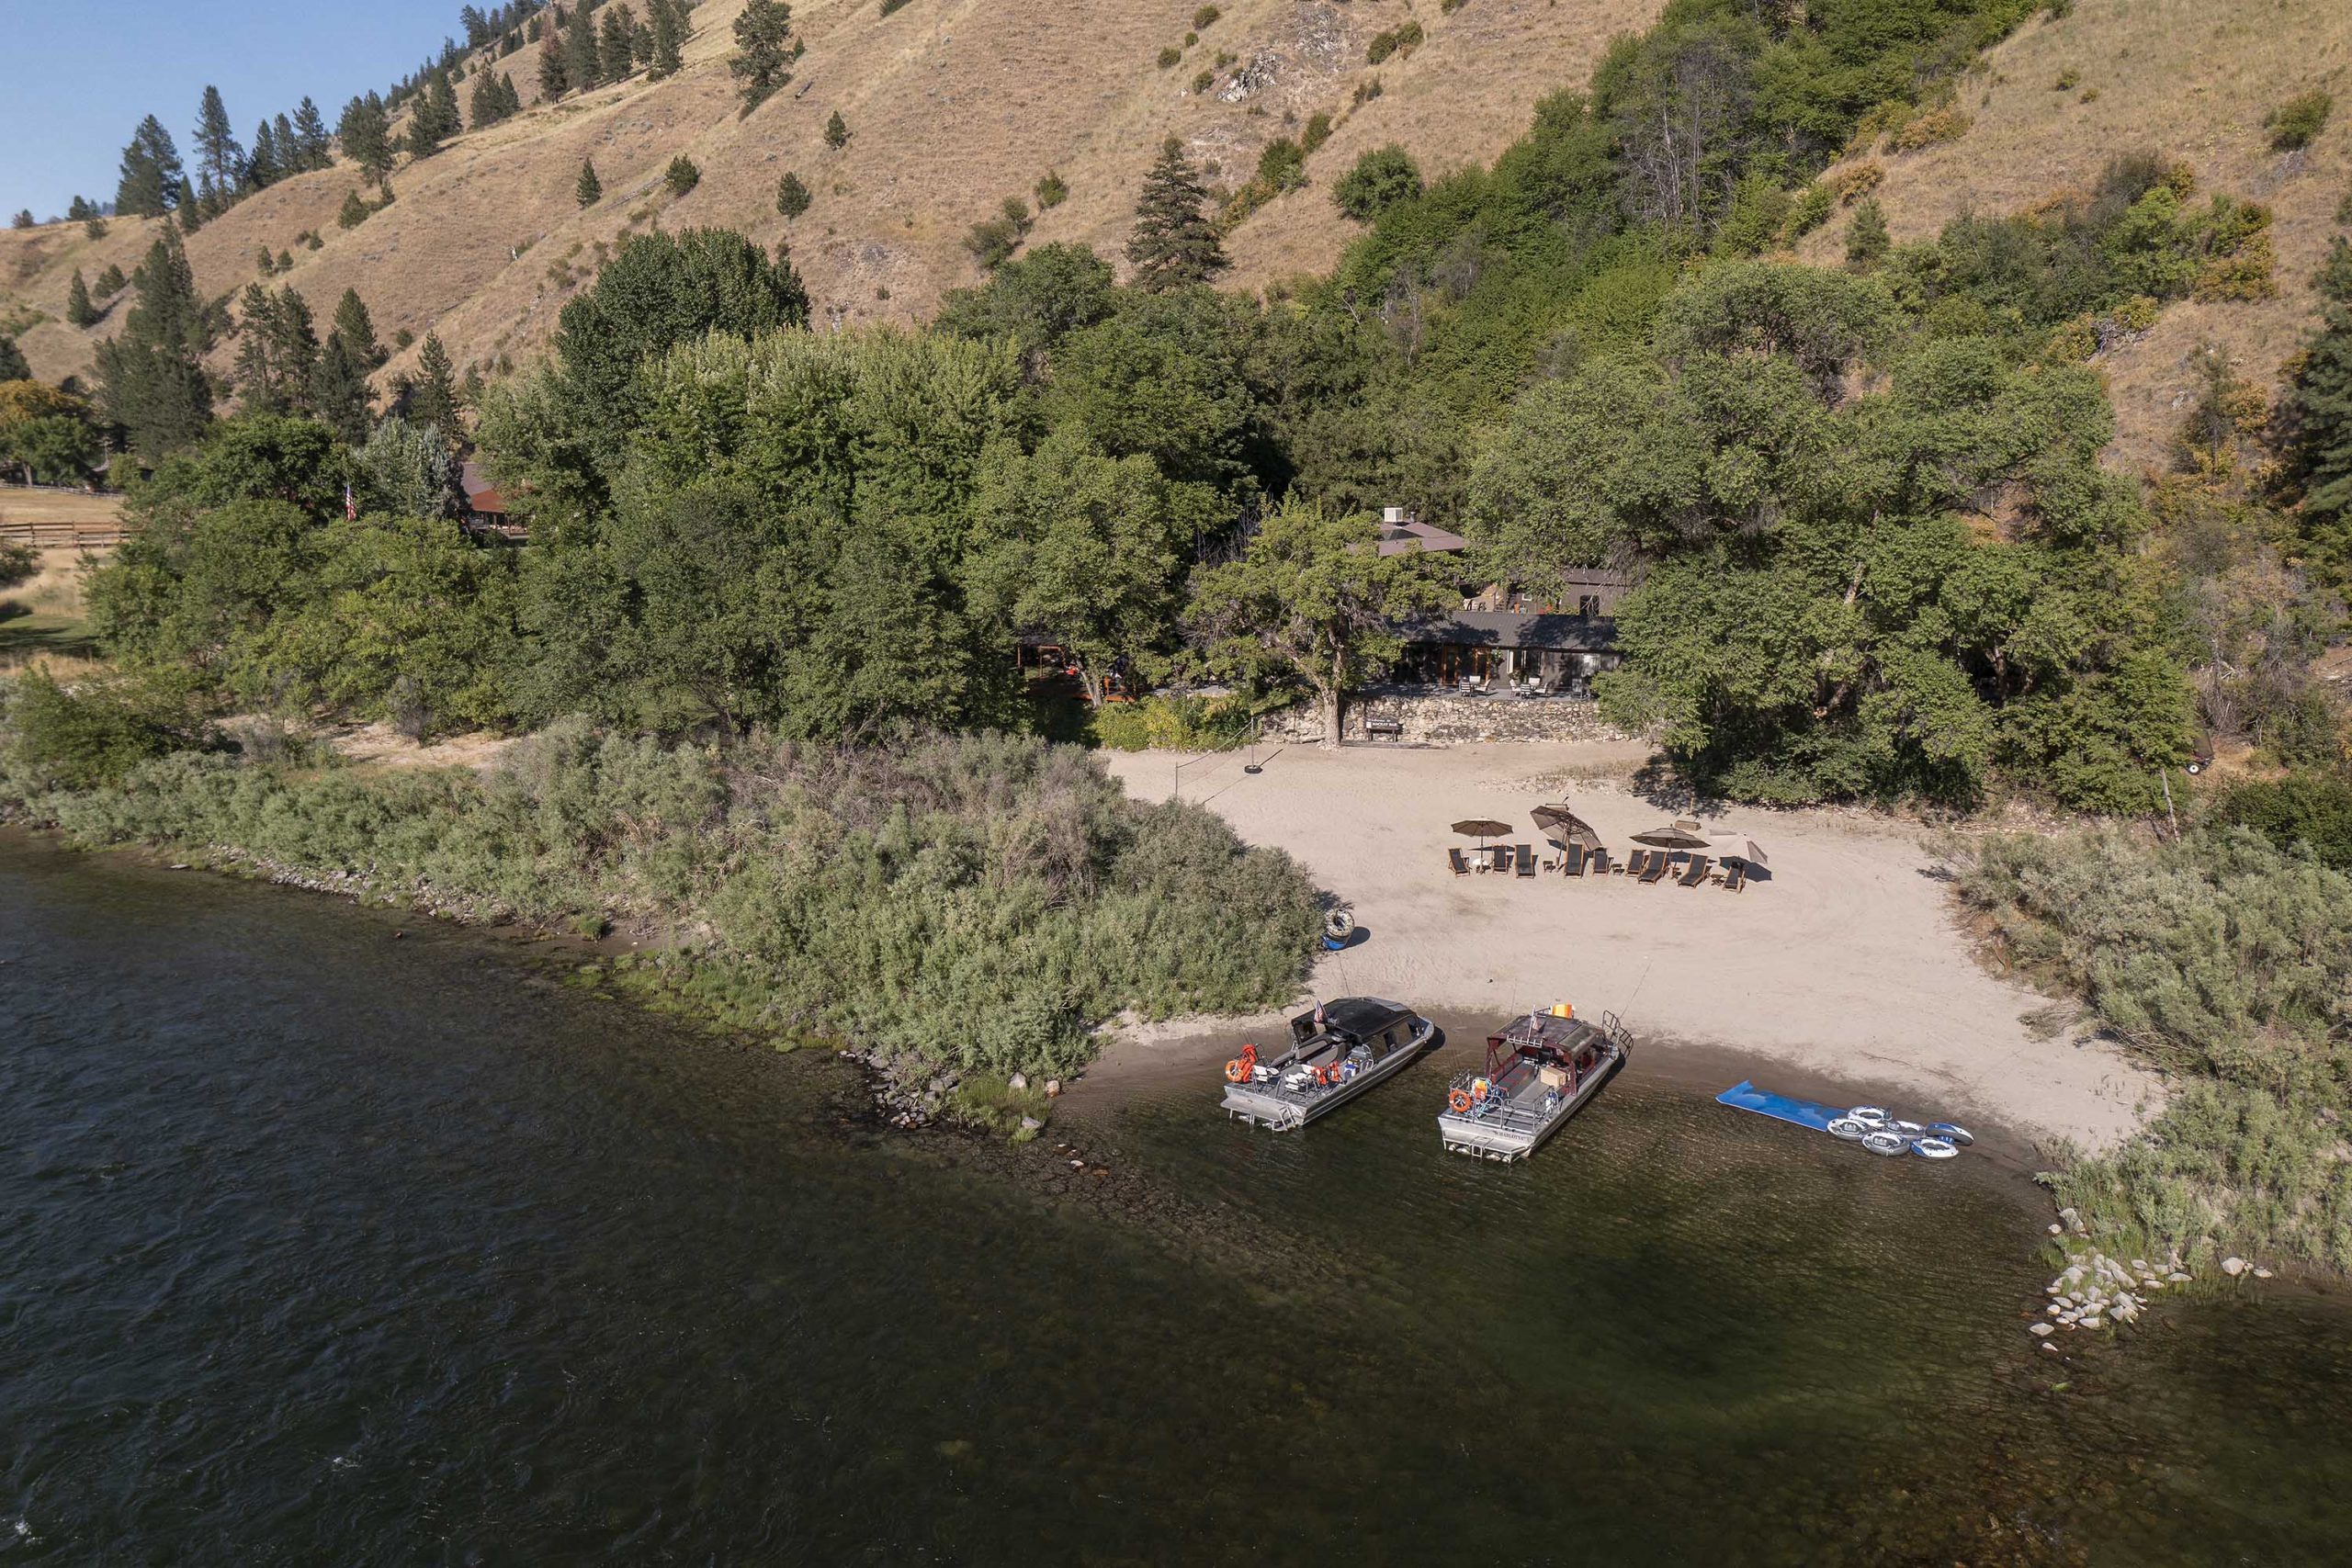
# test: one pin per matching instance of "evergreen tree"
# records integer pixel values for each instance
(433, 397)
(488, 104)
(12, 361)
(355, 211)
(365, 131)
(289, 150)
(190, 210)
(79, 311)
(311, 136)
(1174, 244)
(434, 118)
(218, 160)
(583, 61)
(259, 388)
(1867, 242)
(554, 79)
(791, 196)
(78, 211)
(261, 165)
(682, 175)
(110, 282)
(477, 25)
(152, 373)
(339, 392)
(619, 45)
(668, 40)
(22, 219)
(152, 176)
(836, 131)
(2320, 408)
(357, 331)
(762, 61)
(589, 190)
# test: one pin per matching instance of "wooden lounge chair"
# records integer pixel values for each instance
(1735, 875)
(1461, 867)
(1638, 861)
(1698, 871)
(1657, 871)
(1572, 860)
(1526, 861)
(1502, 857)
(1598, 865)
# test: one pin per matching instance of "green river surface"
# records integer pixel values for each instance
(320, 1247)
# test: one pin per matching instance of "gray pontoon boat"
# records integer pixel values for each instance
(1539, 1072)
(1337, 1051)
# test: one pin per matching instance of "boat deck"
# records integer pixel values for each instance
(1520, 1110)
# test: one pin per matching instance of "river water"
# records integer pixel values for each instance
(323, 1246)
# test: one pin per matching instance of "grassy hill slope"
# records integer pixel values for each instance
(952, 105)
(2185, 78)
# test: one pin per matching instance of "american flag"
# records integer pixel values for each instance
(350, 507)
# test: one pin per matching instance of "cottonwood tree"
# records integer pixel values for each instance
(762, 59)
(152, 373)
(1087, 549)
(1174, 244)
(1312, 601)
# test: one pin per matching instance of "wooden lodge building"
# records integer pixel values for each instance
(1508, 638)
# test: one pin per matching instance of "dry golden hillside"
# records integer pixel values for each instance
(2192, 80)
(952, 105)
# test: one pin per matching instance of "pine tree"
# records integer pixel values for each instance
(477, 25)
(1867, 242)
(220, 160)
(682, 175)
(12, 361)
(77, 212)
(79, 311)
(365, 131)
(110, 282)
(489, 102)
(357, 331)
(339, 392)
(261, 164)
(762, 61)
(152, 176)
(619, 43)
(583, 61)
(255, 379)
(293, 345)
(791, 196)
(554, 80)
(668, 40)
(311, 136)
(22, 219)
(1174, 244)
(355, 211)
(152, 373)
(837, 131)
(590, 190)
(2320, 407)
(289, 150)
(433, 397)
(434, 118)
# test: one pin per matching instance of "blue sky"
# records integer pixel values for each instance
(77, 75)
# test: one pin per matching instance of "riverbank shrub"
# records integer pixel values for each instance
(1173, 724)
(984, 900)
(2226, 962)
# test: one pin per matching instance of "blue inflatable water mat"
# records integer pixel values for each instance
(1746, 1096)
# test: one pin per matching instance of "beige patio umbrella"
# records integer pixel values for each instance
(1565, 829)
(1736, 846)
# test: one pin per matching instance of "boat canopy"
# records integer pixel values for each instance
(1358, 1018)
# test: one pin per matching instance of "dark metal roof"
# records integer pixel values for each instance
(1505, 629)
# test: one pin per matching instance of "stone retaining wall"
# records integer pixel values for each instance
(1445, 719)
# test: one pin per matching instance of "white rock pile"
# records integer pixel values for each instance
(2096, 1289)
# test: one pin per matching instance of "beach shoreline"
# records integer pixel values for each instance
(1844, 974)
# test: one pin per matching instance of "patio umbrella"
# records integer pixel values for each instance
(1482, 827)
(1565, 829)
(1736, 846)
(1672, 837)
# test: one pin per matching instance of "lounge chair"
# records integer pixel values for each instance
(1597, 864)
(1698, 871)
(1637, 863)
(1461, 867)
(1735, 875)
(1526, 861)
(1572, 860)
(1657, 871)
(1502, 857)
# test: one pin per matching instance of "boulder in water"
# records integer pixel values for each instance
(2234, 1266)
(2040, 1330)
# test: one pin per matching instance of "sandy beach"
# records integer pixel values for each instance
(1847, 963)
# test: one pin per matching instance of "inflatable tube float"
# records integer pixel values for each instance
(1882, 1142)
(1950, 1132)
(1848, 1128)
(1934, 1148)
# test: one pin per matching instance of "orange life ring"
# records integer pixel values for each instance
(1234, 1071)
(1459, 1099)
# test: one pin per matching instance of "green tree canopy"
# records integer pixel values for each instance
(1174, 244)
(152, 373)
(1312, 602)
(763, 59)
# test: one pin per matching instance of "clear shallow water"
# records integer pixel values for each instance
(320, 1247)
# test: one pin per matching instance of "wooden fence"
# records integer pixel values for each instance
(61, 536)
(58, 519)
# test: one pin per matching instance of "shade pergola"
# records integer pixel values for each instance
(1565, 829)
